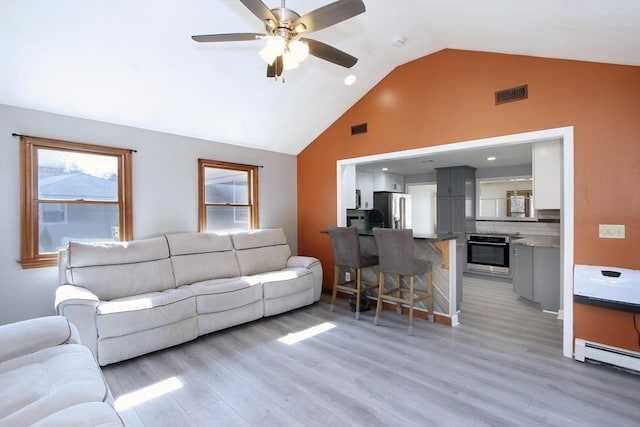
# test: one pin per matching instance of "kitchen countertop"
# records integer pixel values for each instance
(542, 241)
(423, 236)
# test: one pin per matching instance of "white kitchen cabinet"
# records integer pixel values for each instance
(547, 174)
(364, 183)
(348, 186)
(388, 182)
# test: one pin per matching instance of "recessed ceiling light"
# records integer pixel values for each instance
(491, 158)
(398, 41)
(385, 169)
(350, 79)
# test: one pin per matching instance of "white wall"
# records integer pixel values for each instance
(165, 193)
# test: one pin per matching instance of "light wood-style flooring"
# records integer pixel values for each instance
(502, 366)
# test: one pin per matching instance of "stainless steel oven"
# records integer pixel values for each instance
(488, 253)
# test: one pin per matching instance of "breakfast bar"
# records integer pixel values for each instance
(440, 250)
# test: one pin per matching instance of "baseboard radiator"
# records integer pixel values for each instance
(607, 354)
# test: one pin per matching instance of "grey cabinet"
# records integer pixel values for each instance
(451, 215)
(536, 275)
(456, 198)
(522, 260)
(456, 181)
(546, 288)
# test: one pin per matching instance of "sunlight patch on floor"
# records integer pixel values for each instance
(145, 394)
(307, 333)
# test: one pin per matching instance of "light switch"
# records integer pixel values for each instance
(611, 231)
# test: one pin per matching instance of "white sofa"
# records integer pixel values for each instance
(132, 298)
(48, 379)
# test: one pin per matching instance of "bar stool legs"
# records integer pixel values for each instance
(334, 293)
(356, 287)
(348, 257)
(412, 297)
(397, 257)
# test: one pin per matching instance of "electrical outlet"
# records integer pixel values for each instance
(611, 231)
(347, 276)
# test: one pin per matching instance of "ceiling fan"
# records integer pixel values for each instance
(285, 47)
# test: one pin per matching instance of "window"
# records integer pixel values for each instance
(72, 191)
(228, 196)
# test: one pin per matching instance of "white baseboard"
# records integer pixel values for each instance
(608, 354)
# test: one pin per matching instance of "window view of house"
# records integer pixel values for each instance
(71, 192)
(228, 196)
(77, 198)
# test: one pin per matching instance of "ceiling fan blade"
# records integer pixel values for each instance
(232, 37)
(260, 9)
(330, 14)
(330, 53)
(275, 69)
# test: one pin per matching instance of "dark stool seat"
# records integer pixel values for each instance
(396, 256)
(349, 258)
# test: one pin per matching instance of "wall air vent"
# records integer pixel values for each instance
(512, 94)
(361, 128)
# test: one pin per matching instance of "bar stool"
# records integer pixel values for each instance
(395, 251)
(348, 257)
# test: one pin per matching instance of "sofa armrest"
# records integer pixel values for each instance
(79, 305)
(302, 261)
(74, 295)
(312, 264)
(28, 336)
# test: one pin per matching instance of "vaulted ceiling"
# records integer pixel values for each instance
(134, 62)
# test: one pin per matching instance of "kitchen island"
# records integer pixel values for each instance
(440, 249)
(536, 275)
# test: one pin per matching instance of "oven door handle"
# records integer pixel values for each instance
(470, 242)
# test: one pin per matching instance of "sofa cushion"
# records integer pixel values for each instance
(85, 414)
(108, 282)
(260, 251)
(200, 256)
(119, 269)
(115, 349)
(39, 384)
(123, 316)
(107, 253)
(277, 284)
(198, 243)
(224, 294)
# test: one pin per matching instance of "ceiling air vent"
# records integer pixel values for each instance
(361, 128)
(512, 94)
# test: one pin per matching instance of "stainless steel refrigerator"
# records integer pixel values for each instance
(396, 208)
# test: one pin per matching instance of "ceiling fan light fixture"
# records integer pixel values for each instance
(275, 47)
(270, 24)
(299, 50)
(289, 61)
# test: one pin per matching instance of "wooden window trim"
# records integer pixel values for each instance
(253, 191)
(29, 252)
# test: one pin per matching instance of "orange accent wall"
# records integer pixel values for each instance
(606, 326)
(448, 97)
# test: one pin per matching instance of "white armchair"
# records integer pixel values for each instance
(46, 376)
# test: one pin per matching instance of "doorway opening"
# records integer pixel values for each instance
(346, 168)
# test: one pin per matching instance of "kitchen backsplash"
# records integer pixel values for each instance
(526, 228)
